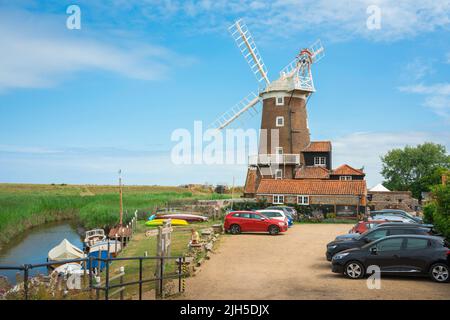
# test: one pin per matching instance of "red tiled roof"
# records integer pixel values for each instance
(250, 182)
(345, 169)
(312, 187)
(318, 146)
(312, 173)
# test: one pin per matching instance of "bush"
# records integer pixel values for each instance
(441, 212)
(331, 215)
(428, 212)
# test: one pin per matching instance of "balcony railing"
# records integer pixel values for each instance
(268, 159)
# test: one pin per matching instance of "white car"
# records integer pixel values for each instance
(392, 218)
(274, 214)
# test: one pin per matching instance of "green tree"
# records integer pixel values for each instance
(415, 168)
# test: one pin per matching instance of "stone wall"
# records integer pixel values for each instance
(402, 200)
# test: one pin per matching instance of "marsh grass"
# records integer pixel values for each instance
(25, 206)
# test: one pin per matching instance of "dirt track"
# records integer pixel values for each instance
(293, 266)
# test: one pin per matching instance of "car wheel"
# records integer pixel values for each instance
(439, 272)
(235, 229)
(354, 270)
(274, 230)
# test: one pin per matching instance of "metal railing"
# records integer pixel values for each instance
(89, 271)
(268, 159)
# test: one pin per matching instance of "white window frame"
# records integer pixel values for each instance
(320, 163)
(282, 121)
(278, 199)
(345, 178)
(279, 103)
(276, 174)
(301, 200)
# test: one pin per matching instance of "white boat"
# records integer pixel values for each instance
(115, 246)
(70, 268)
(65, 251)
(94, 236)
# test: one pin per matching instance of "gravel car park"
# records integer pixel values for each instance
(292, 265)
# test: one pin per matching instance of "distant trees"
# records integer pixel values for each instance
(415, 168)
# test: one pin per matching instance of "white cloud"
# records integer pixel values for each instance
(34, 55)
(335, 19)
(437, 97)
(365, 148)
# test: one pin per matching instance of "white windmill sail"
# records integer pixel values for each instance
(245, 105)
(246, 44)
(300, 67)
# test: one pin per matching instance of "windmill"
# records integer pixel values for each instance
(284, 116)
(295, 76)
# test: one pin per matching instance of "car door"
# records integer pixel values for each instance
(387, 255)
(245, 222)
(259, 223)
(416, 255)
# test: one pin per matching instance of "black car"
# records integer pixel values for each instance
(370, 236)
(397, 255)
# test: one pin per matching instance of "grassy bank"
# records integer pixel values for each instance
(25, 206)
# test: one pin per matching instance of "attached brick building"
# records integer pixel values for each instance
(314, 183)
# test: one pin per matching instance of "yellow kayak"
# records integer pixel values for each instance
(159, 222)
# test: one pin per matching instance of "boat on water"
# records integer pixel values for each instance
(160, 222)
(182, 216)
(94, 236)
(114, 246)
(64, 251)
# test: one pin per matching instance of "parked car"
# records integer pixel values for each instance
(250, 221)
(374, 234)
(392, 218)
(395, 212)
(359, 228)
(398, 255)
(287, 210)
(277, 214)
(429, 227)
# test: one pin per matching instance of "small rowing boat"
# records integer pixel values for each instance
(183, 216)
(64, 251)
(160, 222)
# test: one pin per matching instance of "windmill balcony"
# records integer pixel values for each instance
(268, 159)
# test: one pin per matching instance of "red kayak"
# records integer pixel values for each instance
(182, 216)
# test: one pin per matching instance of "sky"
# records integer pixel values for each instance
(77, 105)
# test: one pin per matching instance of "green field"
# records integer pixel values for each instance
(23, 206)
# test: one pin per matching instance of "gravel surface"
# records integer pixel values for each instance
(293, 266)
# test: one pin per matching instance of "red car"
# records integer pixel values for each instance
(363, 226)
(249, 221)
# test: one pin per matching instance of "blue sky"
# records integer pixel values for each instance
(77, 105)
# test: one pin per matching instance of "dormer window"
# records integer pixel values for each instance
(320, 161)
(345, 178)
(279, 101)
